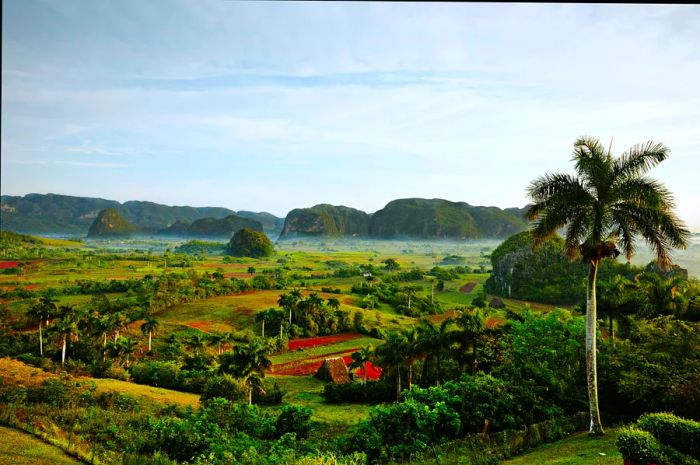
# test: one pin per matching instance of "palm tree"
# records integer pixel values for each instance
(67, 327)
(410, 291)
(127, 347)
(606, 205)
(195, 342)
(289, 301)
(246, 361)
(614, 298)
(393, 355)
(333, 303)
(433, 341)
(360, 359)
(149, 327)
(471, 326)
(663, 295)
(43, 310)
(217, 339)
(414, 351)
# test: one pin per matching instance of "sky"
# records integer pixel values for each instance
(270, 106)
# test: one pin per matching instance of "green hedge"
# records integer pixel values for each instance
(641, 446)
(679, 433)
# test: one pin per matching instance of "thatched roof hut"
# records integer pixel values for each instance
(334, 371)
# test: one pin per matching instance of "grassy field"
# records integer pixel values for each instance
(578, 449)
(147, 393)
(18, 448)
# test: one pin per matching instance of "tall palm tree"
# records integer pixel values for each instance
(360, 359)
(393, 355)
(149, 327)
(471, 326)
(67, 328)
(606, 205)
(43, 310)
(247, 362)
(127, 347)
(663, 296)
(217, 339)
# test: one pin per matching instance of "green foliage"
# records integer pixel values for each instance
(657, 368)
(197, 247)
(248, 243)
(372, 392)
(325, 220)
(679, 433)
(641, 446)
(225, 387)
(442, 219)
(294, 419)
(212, 227)
(109, 223)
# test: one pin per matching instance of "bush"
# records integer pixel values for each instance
(160, 374)
(641, 446)
(294, 419)
(679, 433)
(273, 396)
(226, 387)
(372, 392)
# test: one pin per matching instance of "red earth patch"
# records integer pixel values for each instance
(467, 288)
(201, 325)
(4, 265)
(320, 341)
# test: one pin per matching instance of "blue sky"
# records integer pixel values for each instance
(273, 106)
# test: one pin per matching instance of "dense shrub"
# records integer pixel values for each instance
(641, 446)
(402, 429)
(679, 433)
(372, 392)
(294, 419)
(160, 374)
(225, 387)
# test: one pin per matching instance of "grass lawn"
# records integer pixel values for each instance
(18, 448)
(147, 393)
(578, 449)
(306, 391)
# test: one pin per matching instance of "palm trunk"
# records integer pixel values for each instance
(63, 351)
(41, 341)
(364, 374)
(263, 329)
(612, 330)
(398, 384)
(596, 427)
(104, 346)
(290, 316)
(250, 395)
(410, 375)
(149, 341)
(474, 362)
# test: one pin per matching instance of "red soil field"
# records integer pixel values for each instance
(4, 265)
(320, 341)
(310, 368)
(201, 325)
(467, 288)
(277, 369)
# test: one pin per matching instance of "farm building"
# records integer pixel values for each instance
(334, 370)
